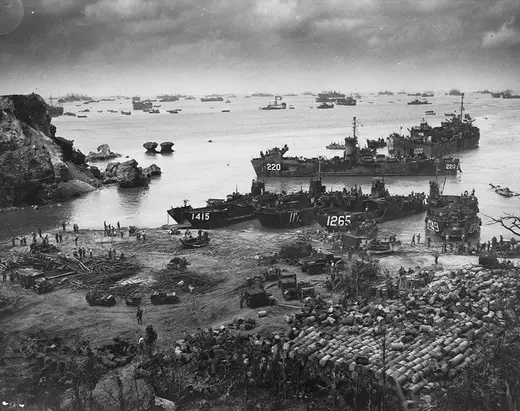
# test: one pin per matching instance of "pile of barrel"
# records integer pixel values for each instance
(430, 335)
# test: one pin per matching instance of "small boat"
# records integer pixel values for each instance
(194, 242)
(335, 146)
(176, 111)
(326, 105)
(82, 116)
(503, 191)
(157, 105)
(153, 111)
(226, 111)
(450, 114)
(126, 113)
(291, 107)
(429, 112)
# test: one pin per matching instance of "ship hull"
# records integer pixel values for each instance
(286, 218)
(405, 146)
(209, 219)
(294, 167)
(177, 213)
(440, 227)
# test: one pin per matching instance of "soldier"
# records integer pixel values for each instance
(144, 236)
(429, 241)
(40, 232)
(90, 252)
(64, 226)
(118, 226)
(14, 241)
(418, 238)
(57, 237)
(436, 255)
(76, 241)
(121, 232)
(413, 240)
(139, 315)
(61, 237)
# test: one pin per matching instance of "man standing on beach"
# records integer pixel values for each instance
(118, 226)
(436, 255)
(413, 240)
(139, 315)
(64, 226)
(418, 238)
(76, 241)
(57, 237)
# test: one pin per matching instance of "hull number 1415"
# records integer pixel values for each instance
(200, 216)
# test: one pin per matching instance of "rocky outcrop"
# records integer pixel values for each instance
(103, 153)
(126, 174)
(150, 146)
(166, 147)
(153, 170)
(36, 166)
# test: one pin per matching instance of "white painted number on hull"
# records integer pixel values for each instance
(293, 217)
(273, 167)
(433, 226)
(200, 216)
(338, 220)
(451, 166)
(418, 151)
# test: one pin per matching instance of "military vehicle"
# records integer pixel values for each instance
(272, 273)
(289, 287)
(133, 300)
(42, 285)
(257, 297)
(97, 297)
(158, 298)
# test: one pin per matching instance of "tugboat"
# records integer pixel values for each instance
(354, 162)
(293, 210)
(456, 133)
(375, 144)
(452, 217)
(326, 105)
(379, 205)
(274, 105)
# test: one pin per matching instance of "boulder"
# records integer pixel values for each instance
(122, 391)
(488, 260)
(150, 146)
(153, 170)
(34, 163)
(166, 147)
(103, 153)
(126, 174)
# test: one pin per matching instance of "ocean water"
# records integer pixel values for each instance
(199, 169)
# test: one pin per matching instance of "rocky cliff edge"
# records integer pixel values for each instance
(36, 166)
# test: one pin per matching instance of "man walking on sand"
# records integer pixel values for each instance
(139, 315)
(436, 255)
(413, 240)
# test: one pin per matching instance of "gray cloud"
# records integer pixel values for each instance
(244, 34)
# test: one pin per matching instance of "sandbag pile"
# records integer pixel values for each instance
(431, 333)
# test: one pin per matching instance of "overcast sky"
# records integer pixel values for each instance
(104, 47)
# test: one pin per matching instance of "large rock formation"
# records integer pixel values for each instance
(36, 167)
(103, 153)
(126, 174)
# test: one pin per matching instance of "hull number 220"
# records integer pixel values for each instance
(273, 167)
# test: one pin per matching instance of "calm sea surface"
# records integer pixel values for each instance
(199, 170)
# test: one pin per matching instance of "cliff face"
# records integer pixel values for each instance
(36, 167)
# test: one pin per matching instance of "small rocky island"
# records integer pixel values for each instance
(103, 153)
(151, 147)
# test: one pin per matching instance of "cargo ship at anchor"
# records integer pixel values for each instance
(452, 217)
(455, 134)
(354, 162)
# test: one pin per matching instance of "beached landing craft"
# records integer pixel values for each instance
(455, 134)
(354, 162)
(451, 216)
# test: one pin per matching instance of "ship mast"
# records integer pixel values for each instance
(354, 127)
(461, 107)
